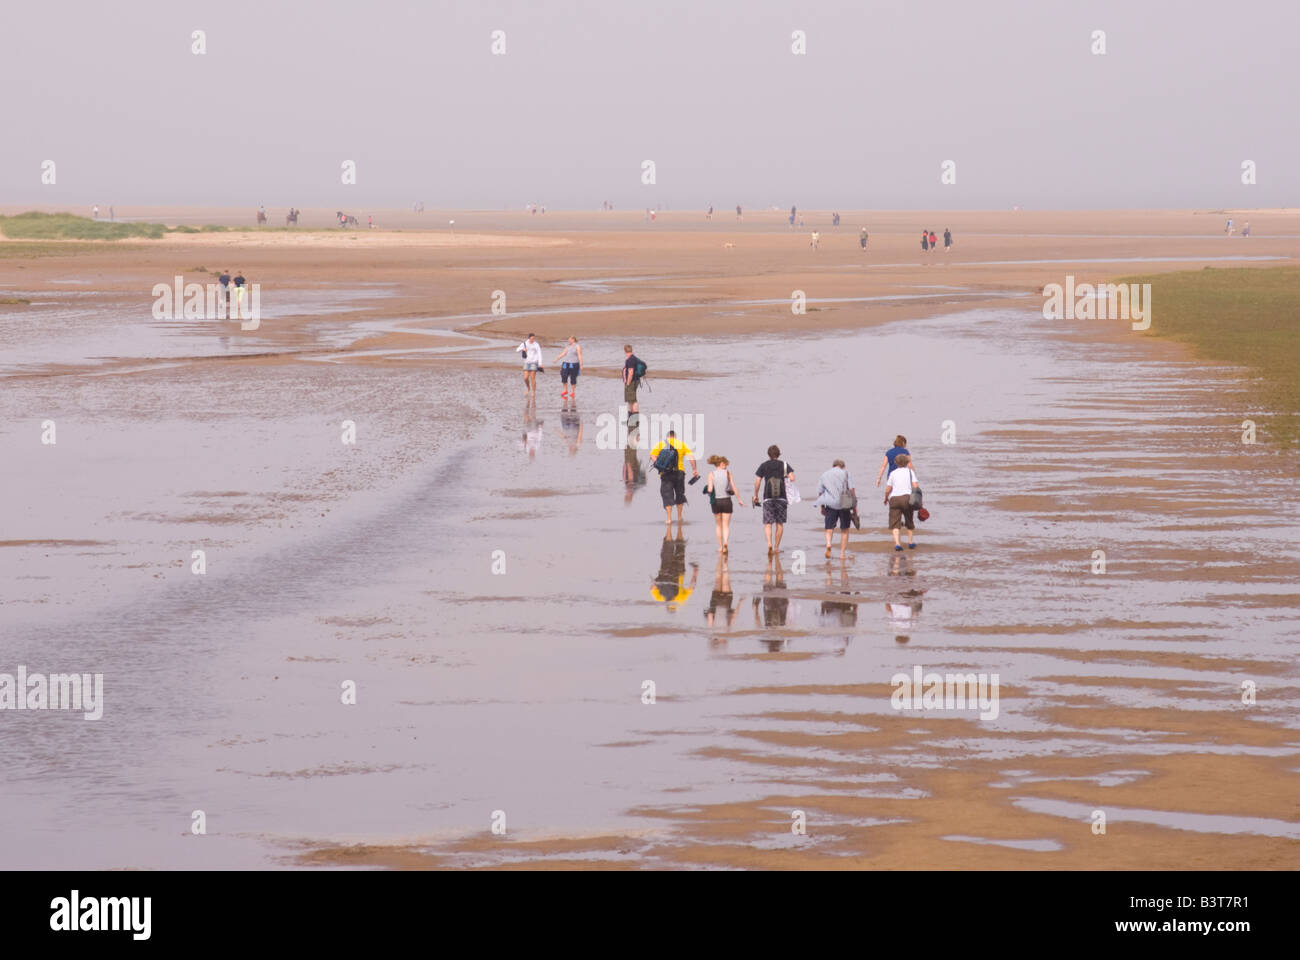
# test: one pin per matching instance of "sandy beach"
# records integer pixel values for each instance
(481, 690)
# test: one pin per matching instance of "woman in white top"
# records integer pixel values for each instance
(532, 351)
(721, 488)
(898, 495)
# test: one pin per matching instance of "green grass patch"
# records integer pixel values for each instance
(34, 225)
(1241, 315)
(14, 301)
(40, 249)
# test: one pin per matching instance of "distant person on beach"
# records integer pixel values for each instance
(816, 240)
(862, 239)
(371, 221)
(739, 215)
(771, 480)
(1245, 230)
(721, 487)
(532, 353)
(792, 216)
(947, 239)
(672, 481)
(223, 295)
(239, 284)
(570, 361)
(835, 220)
(898, 496)
(96, 209)
(925, 241)
(838, 499)
(709, 215)
(631, 378)
(891, 455)
(934, 242)
(112, 216)
(1228, 229)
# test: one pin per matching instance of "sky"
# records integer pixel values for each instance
(710, 91)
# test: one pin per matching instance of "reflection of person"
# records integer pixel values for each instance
(571, 425)
(672, 483)
(775, 604)
(669, 586)
(532, 436)
(633, 472)
(839, 613)
(901, 617)
(722, 600)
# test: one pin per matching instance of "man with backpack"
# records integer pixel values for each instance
(770, 482)
(669, 458)
(633, 370)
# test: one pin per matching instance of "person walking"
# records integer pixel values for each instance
(934, 242)
(570, 361)
(239, 283)
(925, 242)
(633, 370)
(672, 475)
(721, 487)
(771, 480)
(887, 465)
(898, 496)
(947, 240)
(223, 294)
(862, 239)
(532, 353)
(838, 499)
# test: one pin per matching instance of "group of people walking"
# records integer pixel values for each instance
(775, 492)
(930, 242)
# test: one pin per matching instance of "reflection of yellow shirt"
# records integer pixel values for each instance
(683, 451)
(683, 592)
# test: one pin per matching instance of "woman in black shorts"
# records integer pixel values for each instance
(721, 489)
(570, 361)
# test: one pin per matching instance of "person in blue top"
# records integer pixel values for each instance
(887, 465)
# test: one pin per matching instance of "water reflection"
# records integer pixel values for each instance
(571, 426)
(532, 435)
(669, 586)
(723, 605)
(633, 471)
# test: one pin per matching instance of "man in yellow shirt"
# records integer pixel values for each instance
(672, 483)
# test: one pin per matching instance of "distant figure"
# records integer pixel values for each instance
(1245, 230)
(862, 239)
(947, 239)
(652, 214)
(647, 214)
(632, 365)
(816, 240)
(835, 220)
(709, 215)
(239, 283)
(934, 241)
(925, 241)
(223, 298)
(543, 208)
(96, 211)
(1228, 228)
(801, 221)
(371, 221)
(792, 213)
(112, 217)
(739, 215)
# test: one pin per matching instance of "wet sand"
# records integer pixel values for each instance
(521, 691)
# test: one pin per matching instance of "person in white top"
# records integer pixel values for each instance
(532, 352)
(898, 495)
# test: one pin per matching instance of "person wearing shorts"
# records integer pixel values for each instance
(770, 480)
(722, 488)
(630, 380)
(570, 361)
(898, 495)
(837, 497)
(672, 483)
(532, 351)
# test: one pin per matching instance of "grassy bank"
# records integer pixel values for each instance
(64, 226)
(1247, 316)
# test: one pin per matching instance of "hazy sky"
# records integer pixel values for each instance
(708, 89)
